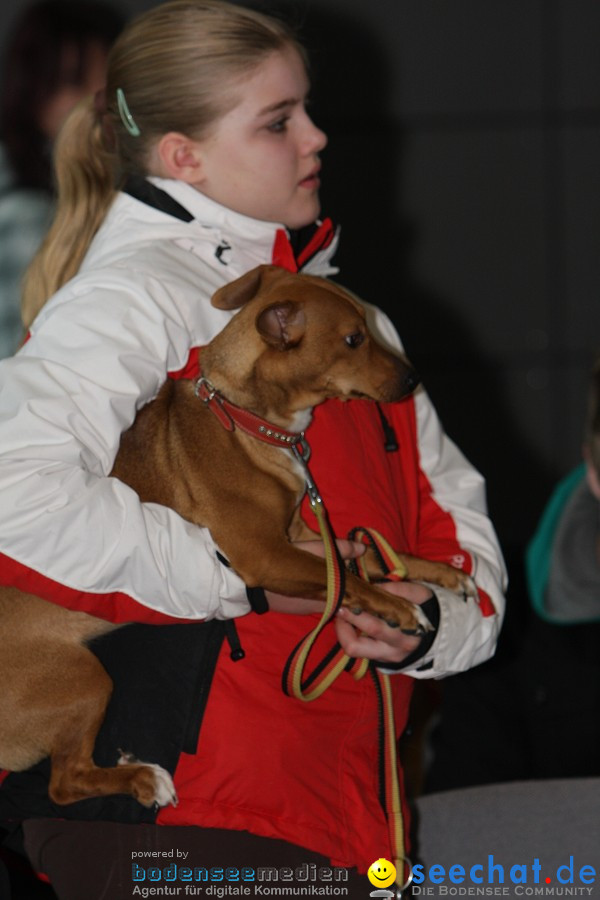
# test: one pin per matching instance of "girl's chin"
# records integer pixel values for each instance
(305, 216)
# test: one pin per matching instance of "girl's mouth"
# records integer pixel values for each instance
(311, 181)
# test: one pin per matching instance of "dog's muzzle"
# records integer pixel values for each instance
(412, 380)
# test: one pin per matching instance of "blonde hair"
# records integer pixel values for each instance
(177, 66)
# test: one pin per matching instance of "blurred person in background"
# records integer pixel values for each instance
(563, 578)
(534, 710)
(56, 55)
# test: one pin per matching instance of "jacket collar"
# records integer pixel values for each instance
(293, 250)
(209, 213)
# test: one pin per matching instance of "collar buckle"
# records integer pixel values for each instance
(207, 392)
(204, 389)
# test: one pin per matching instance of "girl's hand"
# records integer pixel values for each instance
(368, 637)
(365, 636)
(361, 635)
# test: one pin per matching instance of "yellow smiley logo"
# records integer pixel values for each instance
(381, 873)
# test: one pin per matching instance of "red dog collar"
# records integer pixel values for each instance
(230, 415)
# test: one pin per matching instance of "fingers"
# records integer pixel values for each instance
(350, 549)
(368, 637)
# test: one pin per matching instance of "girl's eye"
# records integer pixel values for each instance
(354, 340)
(278, 126)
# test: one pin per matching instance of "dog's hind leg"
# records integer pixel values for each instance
(84, 696)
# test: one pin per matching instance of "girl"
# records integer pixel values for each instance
(198, 162)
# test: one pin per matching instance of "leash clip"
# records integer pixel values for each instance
(301, 451)
(303, 454)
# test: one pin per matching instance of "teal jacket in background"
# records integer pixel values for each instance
(561, 561)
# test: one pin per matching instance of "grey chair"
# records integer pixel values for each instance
(502, 830)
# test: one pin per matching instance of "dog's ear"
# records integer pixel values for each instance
(237, 293)
(282, 324)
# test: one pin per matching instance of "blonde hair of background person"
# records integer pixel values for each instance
(55, 55)
(173, 84)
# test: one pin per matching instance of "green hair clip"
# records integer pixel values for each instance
(126, 117)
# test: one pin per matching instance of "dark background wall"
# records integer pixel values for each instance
(464, 164)
(465, 142)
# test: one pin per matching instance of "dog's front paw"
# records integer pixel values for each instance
(465, 586)
(422, 625)
(452, 579)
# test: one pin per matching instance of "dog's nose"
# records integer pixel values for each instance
(412, 381)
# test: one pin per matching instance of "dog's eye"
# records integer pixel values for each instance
(354, 340)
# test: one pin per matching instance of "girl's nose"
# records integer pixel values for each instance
(314, 140)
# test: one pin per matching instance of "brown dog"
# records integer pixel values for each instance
(296, 341)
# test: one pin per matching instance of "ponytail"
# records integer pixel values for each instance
(85, 179)
(177, 65)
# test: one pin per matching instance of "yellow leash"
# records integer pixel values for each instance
(308, 688)
(294, 682)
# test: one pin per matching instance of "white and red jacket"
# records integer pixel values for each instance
(100, 349)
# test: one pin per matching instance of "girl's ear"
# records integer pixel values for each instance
(178, 156)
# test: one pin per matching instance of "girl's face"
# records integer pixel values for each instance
(262, 157)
